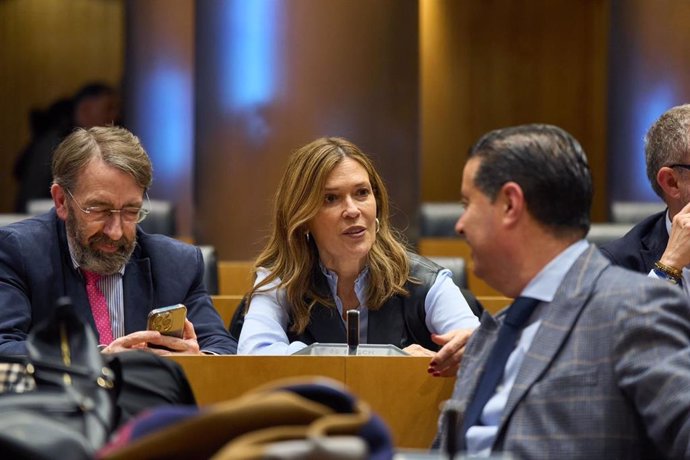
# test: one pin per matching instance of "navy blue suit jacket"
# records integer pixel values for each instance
(643, 245)
(36, 269)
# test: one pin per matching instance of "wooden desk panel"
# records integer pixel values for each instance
(235, 277)
(397, 388)
(401, 391)
(219, 378)
(226, 306)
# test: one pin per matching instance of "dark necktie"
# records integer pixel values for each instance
(99, 307)
(516, 316)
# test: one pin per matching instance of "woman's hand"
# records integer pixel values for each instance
(446, 361)
(418, 350)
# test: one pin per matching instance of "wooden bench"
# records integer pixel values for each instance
(235, 277)
(226, 306)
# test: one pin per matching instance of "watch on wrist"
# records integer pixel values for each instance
(665, 276)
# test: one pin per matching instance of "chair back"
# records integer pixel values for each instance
(438, 219)
(456, 265)
(600, 233)
(161, 219)
(7, 219)
(631, 212)
(210, 257)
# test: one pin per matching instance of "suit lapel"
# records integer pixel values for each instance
(557, 323)
(654, 243)
(73, 284)
(137, 285)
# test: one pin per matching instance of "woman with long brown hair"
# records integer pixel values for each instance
(331, 250)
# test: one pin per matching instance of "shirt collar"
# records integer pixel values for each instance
(546, 283)
(332, 278)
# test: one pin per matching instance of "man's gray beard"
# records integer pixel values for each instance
(93, 260)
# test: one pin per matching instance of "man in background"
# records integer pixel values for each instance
(591, 360)
(95, 104)
(660, 244)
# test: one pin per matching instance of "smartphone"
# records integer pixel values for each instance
(168, 320)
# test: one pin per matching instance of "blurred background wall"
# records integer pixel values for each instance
(221, 91)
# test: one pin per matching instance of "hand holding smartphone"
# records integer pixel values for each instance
(168, 320)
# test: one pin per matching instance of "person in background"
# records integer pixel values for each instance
(95, 104)
(660, 244)
(89, 247)
(591, 360)
(332, 249)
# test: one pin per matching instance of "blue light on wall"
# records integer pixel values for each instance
(166, 131)
(248, 53)
(647, 109)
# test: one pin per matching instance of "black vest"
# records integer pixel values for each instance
(400, 321)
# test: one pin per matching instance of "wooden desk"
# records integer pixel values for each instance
(494, 304)
(397, 388)
(226, 306)
(235, 277)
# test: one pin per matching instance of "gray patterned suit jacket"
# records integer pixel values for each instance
(607, 375)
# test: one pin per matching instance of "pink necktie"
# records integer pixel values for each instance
(99, 307)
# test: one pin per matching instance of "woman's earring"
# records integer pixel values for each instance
(307, 236)
(378, 225)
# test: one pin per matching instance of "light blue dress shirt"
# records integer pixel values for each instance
(266, 322)
(480, 438)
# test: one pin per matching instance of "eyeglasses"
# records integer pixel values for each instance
(129, 214)
(679, 165)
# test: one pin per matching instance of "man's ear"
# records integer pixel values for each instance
(60, 200)
(512, 202)
(667, 180)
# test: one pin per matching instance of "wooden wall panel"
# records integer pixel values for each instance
(503, 63)
(650, 57)
(159, 89)
(334, 68)
(48, 49)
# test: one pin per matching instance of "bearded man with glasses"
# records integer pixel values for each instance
(90, 248)
(660, 244)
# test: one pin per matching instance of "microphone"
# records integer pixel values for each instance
(352, 331)
(453, 428)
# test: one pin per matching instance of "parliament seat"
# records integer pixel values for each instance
(631, 212)
(226, 305)
(235, 277)
(600, 233)
(456, 265)
(210, 257)
(438, 219)
(8, 218)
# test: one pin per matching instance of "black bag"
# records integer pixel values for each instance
(71, 412)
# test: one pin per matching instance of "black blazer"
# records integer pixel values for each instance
(642, 246)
